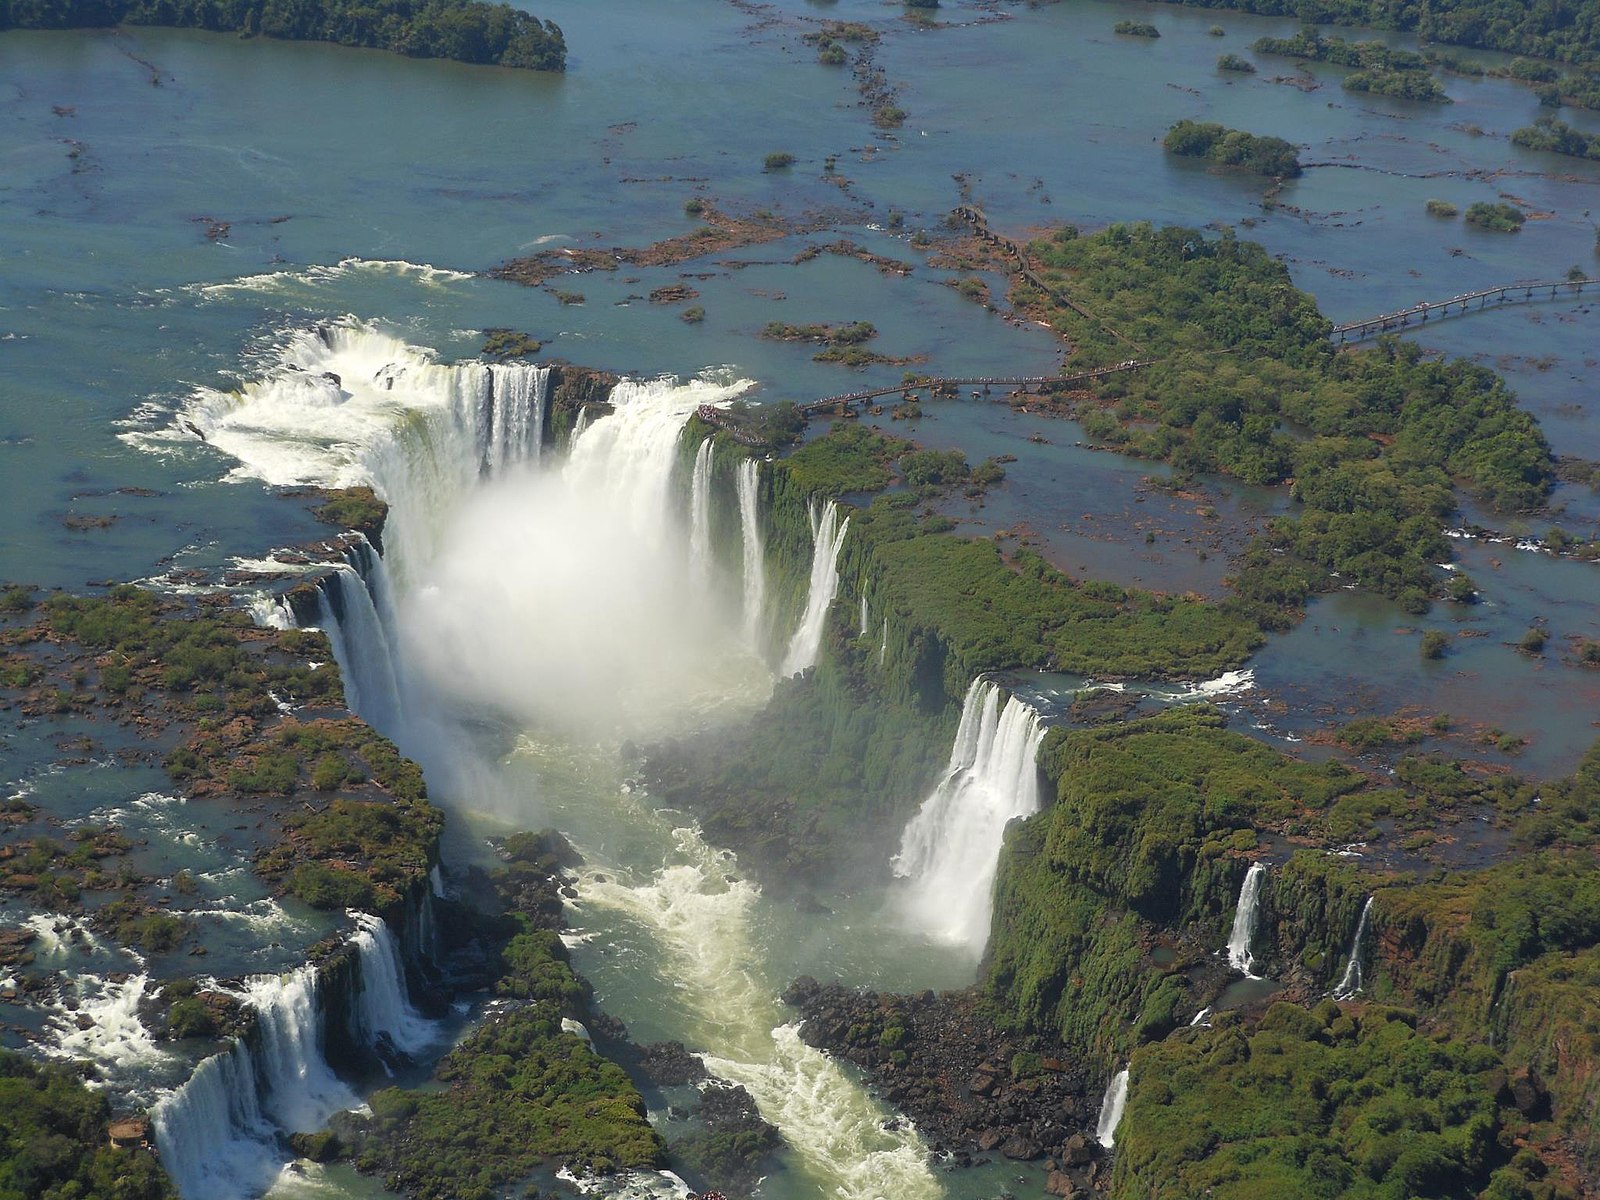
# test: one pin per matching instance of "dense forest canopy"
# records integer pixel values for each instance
(1562, 29)
(465, 30)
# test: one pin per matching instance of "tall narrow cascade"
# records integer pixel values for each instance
(220, 1133)
(355, 610)
(951, 848)
(1351, 981)
(515, 424)
(1111, 1106)
(755, 567)
(827, 537)
(700, 516)
(865, 617)
(1244, 921)
(384, 1015)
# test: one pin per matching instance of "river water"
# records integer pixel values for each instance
(343, 174)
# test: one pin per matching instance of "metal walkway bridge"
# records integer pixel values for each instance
(1510, 293)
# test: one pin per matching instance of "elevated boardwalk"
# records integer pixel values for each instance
(1543, 290)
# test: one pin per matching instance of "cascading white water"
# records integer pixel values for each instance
(383, 1010)
(827, 536)
(1244, 920)
(1111, 1106)
(214, 1139)
(951, 848)
(346, 405)
(747, 482)
(348, 613)
(219, 1134)
(703, 918)
(516, 415)
(883, 646)
(1351, 981)
(864, 617)
(700, 516)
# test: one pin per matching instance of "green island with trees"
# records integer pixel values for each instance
(1233, 148)
(470, 31)
(1375, 68)
(1558, 137)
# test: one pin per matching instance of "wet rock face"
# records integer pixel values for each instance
(972, 1090)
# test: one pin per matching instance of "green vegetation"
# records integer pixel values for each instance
(357, 508)
(1440, 208)
(502, 345)
(1233, 148)
(1374, 67)
(1558, 137)
(692, 315)
(1435, 645)
(1148, 821)
(1320, 1103)
(1234, 62)
(54, 1133)
(851, 458)
(520, 1092)
(465, 30)
(1502, 218)
(828, 335)
(1569, 31)
(1136, 29)
(778, 160)
(1579, 91)
(1382, 436)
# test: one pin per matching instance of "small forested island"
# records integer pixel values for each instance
(1558, 137)
(1233, 148)
(1377, 68)
(470, 31)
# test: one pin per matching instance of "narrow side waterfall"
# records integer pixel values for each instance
(827, 537)
(700, 516)
(883, 646)
(951, 848)
(220, 1133)
(1111, 1106)
(384, 1016)
(864, 617)
(1244, 921)
(755, 565)
(1351, 981)
(355, 610)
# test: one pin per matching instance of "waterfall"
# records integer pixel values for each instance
(1351, 982)
(348, 612)
(864, 617)
(383, 1011)
(219, 1134)
(700, 517)
(883, 646)
(1116, 1099)
(1244, 921)
(516, 415)
(951, 848)
(827, 536)
(755, 567)
(346, 404)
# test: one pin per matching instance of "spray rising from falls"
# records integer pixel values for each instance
(827, 537)
(951, 848)
(747, 482)
(1111, 1106)
(1244, 920)
(1351, 981)
(700, 516)
(220, 1134)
